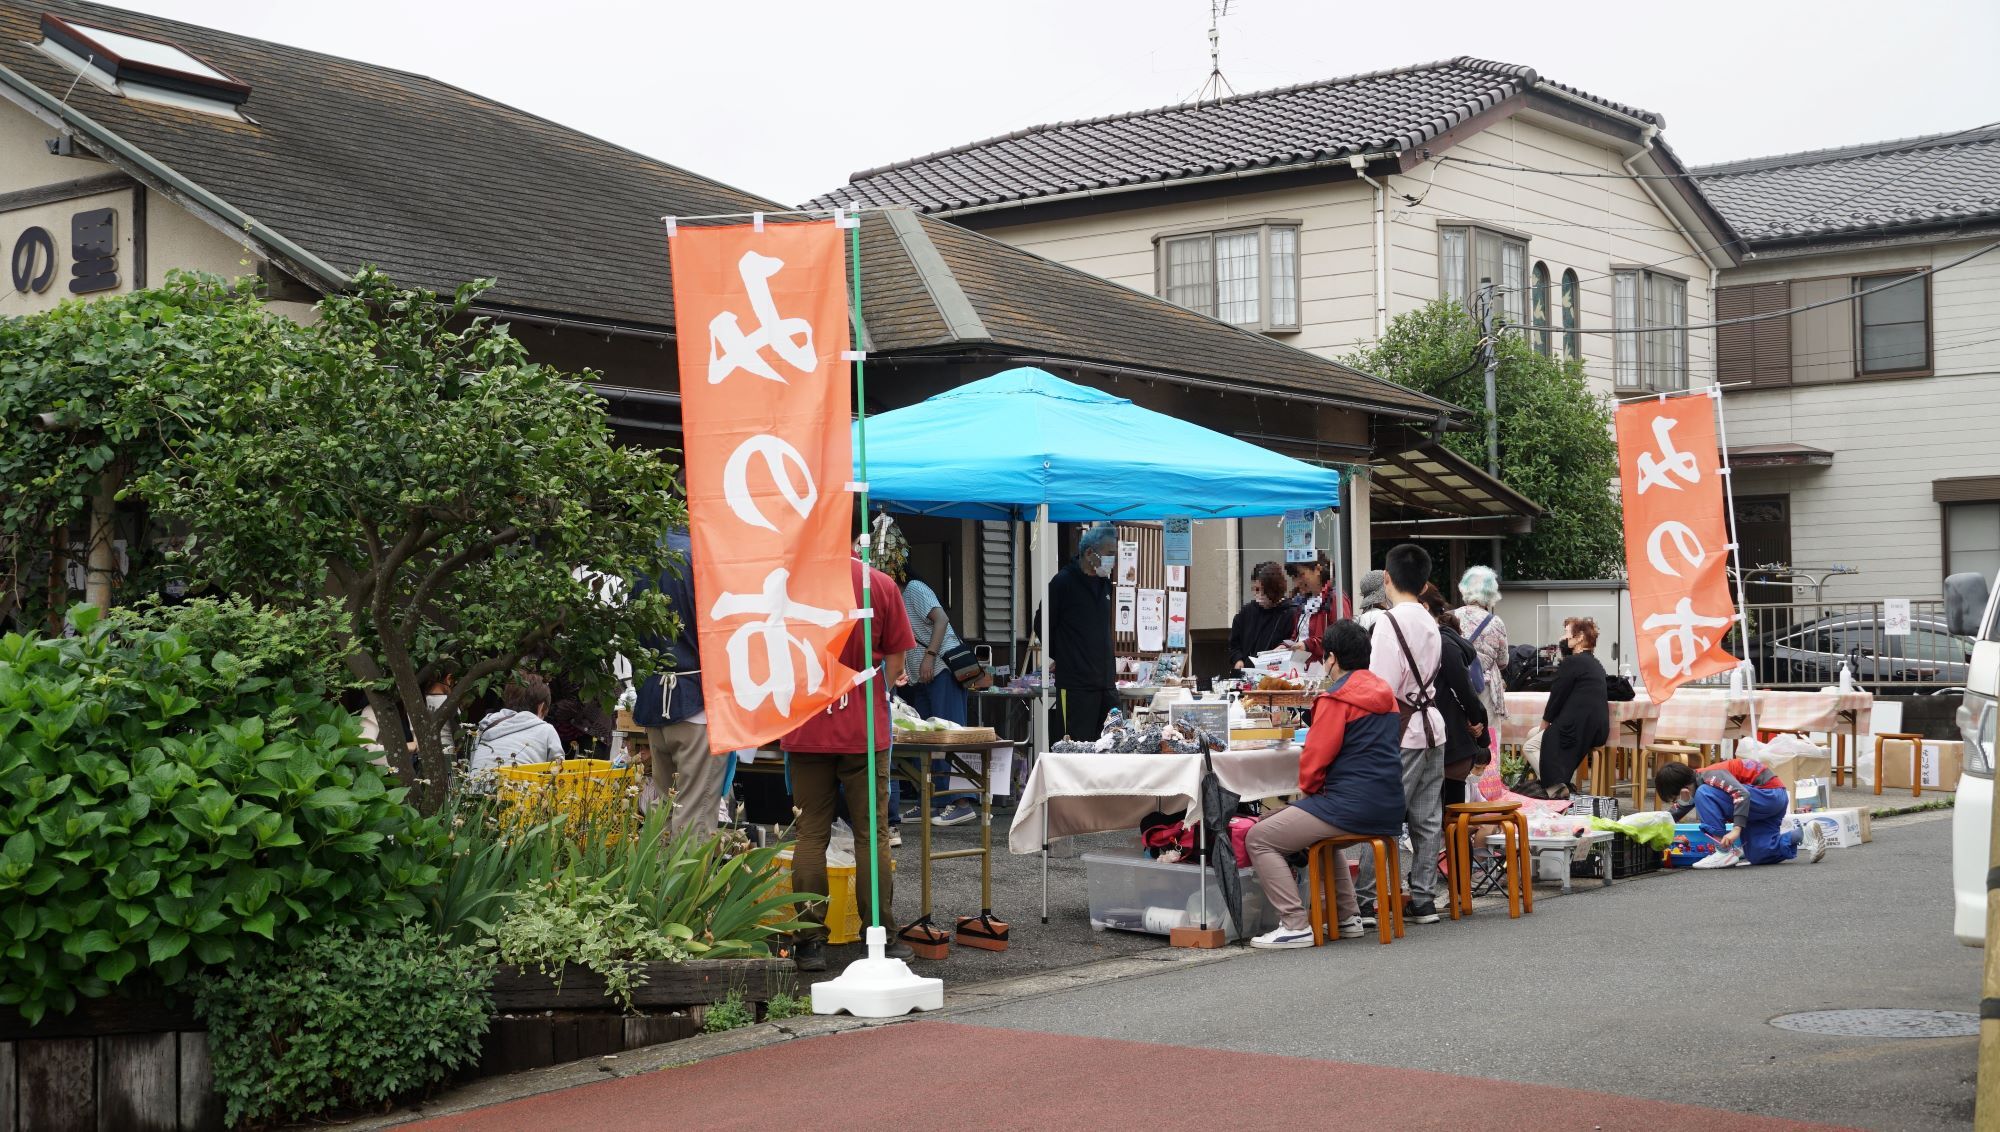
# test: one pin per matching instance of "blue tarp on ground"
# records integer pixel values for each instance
(1002, 446)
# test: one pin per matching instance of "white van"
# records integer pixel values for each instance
(1974, 613)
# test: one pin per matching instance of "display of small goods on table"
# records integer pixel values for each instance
(1121, 737)
(914, 730)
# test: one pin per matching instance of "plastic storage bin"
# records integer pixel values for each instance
(1690, 845)
(1132, 892)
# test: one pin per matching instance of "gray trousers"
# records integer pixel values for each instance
(1423, 802)
(681, 761)
(1292, 830)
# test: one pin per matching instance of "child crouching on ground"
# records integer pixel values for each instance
(1742, 805)
(1350, 781)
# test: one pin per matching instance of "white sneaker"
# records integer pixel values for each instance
(1720, 859)
(1813, 841)
(895, 837)
(1351, 928)
(1282, 936)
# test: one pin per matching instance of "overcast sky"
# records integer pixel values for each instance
(786, 99)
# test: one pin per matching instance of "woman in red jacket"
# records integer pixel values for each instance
(1319, 604)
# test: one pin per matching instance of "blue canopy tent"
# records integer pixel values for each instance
(1025, 444)
(1005, 446)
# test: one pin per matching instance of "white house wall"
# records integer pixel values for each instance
(1585, 224)
(1872, 509)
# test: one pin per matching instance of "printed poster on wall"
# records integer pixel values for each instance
(1299, 537)
(1128, 563)
(1177, 619)
(1128, 603)
(1152, 620)
(1177, 541)
(1896, 619)
(1176, 577)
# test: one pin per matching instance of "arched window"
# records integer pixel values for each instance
(1572, 306)
(1540, 295)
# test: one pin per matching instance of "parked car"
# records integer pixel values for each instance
(1972, 612)
(1928, 658)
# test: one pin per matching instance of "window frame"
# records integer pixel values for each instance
(1944, 507)
(1644, 342)
(1264, 323)
(1539, 285)
(1502, 290)
(1861, 283)
(1572, 314)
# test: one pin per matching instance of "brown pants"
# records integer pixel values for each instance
(1292, 830)
(817, 781)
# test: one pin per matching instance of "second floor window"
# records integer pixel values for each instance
(1892, 325)
(1652, 359)
(1543, 342)
(1468, 254)
(1572, 304)
(1245, 276)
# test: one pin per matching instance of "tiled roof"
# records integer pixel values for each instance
(358, 164)
(364, 164)
(1862, 189)
(1381, 112)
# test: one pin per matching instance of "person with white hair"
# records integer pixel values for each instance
(1079, 648)
(1482, 627)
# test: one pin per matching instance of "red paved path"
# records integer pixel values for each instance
(985, 1078)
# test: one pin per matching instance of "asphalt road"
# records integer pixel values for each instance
(1659, 988)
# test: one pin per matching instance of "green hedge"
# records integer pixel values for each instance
(163, 809)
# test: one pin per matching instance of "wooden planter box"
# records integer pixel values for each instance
(537, 1024)
(132, 1066)
(112, 1063)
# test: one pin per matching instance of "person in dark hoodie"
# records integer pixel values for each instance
(1350, 781)
(1266, 621)
(1079, 646)
(1464, 714)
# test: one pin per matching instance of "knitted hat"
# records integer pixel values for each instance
(1372, 595)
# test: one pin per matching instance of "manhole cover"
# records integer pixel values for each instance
(1882, 1023)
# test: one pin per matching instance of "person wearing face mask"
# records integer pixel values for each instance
(1265, 621)
(1079, 646)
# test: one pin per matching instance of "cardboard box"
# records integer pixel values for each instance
(1790, 769)
(1943, 760)
(1812, 795)
(1844, 828)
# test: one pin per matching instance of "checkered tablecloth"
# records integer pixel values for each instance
(1703, 715)
(1633, 722)
(1822, 713)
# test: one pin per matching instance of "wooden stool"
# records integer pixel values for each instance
(1655, 756)
(1916, 743)
(1460, 819)
(1324, 857)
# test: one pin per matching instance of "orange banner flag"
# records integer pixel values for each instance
(1676, 540)
(765, 404)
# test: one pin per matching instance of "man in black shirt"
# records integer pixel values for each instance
(1086, 676)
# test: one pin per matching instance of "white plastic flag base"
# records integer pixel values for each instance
(877, 987)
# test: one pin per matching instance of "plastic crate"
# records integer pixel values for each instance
(1133, 892)
(583, 791)
(1629, 858)
(843, 915)
(1594, 806)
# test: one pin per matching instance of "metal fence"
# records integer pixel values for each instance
(1803, 645)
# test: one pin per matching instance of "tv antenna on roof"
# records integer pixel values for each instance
(1215, 86)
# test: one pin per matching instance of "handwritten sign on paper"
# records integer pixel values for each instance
(1177, 619)
(1152, 620)
(1127, 602)
(1128, 563)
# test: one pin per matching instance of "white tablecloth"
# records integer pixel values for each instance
(1098, 793)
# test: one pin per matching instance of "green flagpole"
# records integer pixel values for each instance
(867, 563)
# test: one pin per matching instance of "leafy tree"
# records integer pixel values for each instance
(93, 392)
(1556, 445)
(466, 506)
